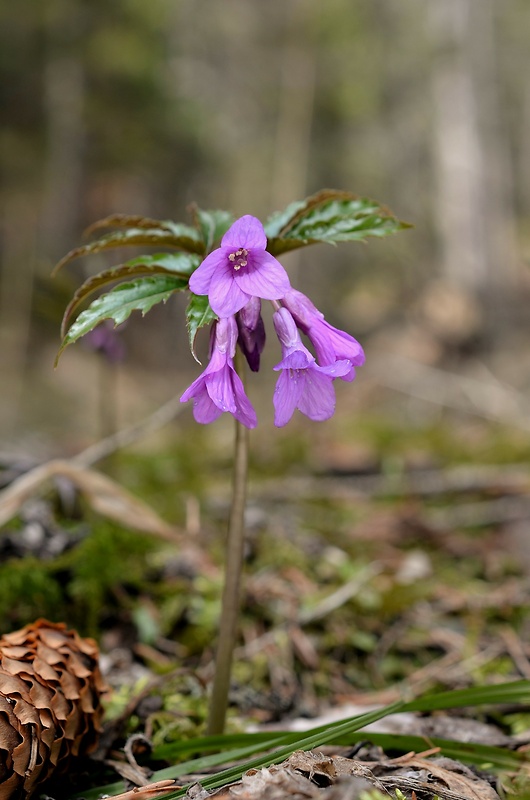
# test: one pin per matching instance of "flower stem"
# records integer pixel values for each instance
(231, 593)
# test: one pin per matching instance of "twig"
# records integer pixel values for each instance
(341, 596)
(480, 514)
(510, 478)
(486, 398)
(153, 790)
(330, 603)
(104, 495)
(105, 447)
(516, 651)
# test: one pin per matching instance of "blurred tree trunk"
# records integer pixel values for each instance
(295, 107)
(64, 100)
(59, 214)
(16, 293)
(292, 140)
(474, 201)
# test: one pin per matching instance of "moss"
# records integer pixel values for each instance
(28, 590)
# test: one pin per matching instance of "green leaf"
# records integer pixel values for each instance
(511, 692)
(278, 221)
(212, 225)
(346, 731)
(130, 221)
(329, 216)
(118, 304)
(179, 264)
(198, 314)
(182, 237)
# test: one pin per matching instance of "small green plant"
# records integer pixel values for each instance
(228, 267)
(257, 750)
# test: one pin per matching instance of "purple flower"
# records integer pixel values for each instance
(220, 388)
(331, 344)
(302, 384)
(251, 332)
(105, 339)
(239, 269)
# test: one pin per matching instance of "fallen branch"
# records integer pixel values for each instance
(484, 397)
(103, 494)
(106, 447)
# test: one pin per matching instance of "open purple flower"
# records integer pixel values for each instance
(331, 344)
(220, 388)
(251, 332)
(302, 384)
(240, 269)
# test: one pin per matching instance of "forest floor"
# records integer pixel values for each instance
(385, 558)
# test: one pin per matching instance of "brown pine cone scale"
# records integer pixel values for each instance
(50, 704)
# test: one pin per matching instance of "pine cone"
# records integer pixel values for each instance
(50, 710)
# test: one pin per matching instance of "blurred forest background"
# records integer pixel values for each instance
(143, 107)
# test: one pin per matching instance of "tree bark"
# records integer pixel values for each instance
(474, 199)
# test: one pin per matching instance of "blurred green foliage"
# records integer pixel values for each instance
(300, 550)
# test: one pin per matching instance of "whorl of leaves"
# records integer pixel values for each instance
(50, 709)
(330, 216)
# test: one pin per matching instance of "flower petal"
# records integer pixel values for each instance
(318, 398)
(264, 277)
(338, 369)
(225, 296)
(331, 343)
(200, 280)
(220, 389)
(349, 375)
(244, 412)
(246, 232)
(287, 393)
(302, 309)
(204, 410)
(295, 358)
(194, 390)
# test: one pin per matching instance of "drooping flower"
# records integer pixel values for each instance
(219, 388)
(105, 339)
(302, 384)
(331, 344)
(251, 332)
(240, 269)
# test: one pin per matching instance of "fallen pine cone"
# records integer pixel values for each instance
(50, 709)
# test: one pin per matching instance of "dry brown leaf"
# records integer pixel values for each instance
(311, 775)
(273, 783)
(50, 713)
(148, 792)
(444, 777)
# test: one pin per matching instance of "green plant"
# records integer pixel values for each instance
(229, 267)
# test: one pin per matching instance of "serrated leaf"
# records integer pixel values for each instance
(136, 221)
(276, 223)
(179, 264)
(212, 225)
(198, 314)
(181, 237)
(329, 216)
(281, 222)
(120, 302)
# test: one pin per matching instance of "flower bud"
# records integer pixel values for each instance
(251, 332)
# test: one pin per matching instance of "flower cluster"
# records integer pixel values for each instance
(236, 277)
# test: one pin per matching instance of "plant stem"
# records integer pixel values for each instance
(231, 593)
